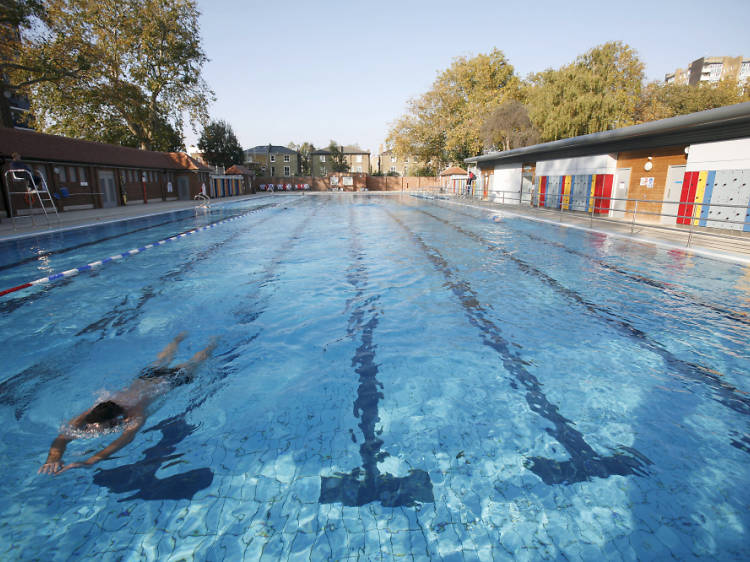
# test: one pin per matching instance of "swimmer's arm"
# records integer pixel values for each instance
(127, 436)
(53, 464)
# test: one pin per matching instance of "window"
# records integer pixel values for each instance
(60, 172)
(82, 175)
(72, 174)
(359, 169)
(393, 168)
(286, 158)
(287, 171)
(322, 170)
(359, 158)
(273, 170)
(273, 158)
(123, 176)
(393, 160)
(322, 157)
(406, 160)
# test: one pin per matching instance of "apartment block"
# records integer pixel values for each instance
(711, 70)
(357, 159)
(388, 161)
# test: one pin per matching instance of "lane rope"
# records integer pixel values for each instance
(116, 257)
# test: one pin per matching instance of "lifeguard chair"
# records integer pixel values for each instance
(34, 190)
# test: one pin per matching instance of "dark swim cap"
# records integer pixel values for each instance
(104, 412)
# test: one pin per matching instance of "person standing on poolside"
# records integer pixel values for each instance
(127, 409)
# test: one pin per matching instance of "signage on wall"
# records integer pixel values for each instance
(647, 182)
(348, 180)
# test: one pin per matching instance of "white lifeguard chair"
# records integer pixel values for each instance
(34, 190)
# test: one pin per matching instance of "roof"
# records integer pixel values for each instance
(723, 123)
(263, 149)
(454, 171)
(32, 145)
(349, 149)
(241, 170)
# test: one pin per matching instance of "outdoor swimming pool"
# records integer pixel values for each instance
(395, 378)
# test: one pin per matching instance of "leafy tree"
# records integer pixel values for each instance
(597, 92)
(219, 145)
(338, 160)
(425, 172)
(305, 162)
(142, 73)
(443, 124)
(659, 101)
(56, 57)
(508, 126)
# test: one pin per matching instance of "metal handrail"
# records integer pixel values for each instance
(601, 203)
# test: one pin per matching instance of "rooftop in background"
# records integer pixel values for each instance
(348, 149)
(263, 149)
(453, 171)
(723, 123)
(39, 146)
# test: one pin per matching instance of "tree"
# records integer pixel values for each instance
(142, 73)
(220, 146)
(55, 57)
(443, 124)
(659, 101)
(508, 126)
(338, 160)
(304, 150)
(598, 92)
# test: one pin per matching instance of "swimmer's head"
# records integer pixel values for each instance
(105, 414)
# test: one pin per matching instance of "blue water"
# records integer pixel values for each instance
(395, 378)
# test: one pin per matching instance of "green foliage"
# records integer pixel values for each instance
(425, 172)
(660, 101)
(508, 126)
(138, 70)
(305, 161)
(338, 160)
(443, 124)
(220, 146)
(597, 92)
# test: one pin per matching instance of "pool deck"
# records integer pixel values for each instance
(701, 241)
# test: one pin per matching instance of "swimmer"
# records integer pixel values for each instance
(125, 410)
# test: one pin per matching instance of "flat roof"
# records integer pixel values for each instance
(723, 123)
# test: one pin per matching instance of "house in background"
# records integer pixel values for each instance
(388, 161)
(357, 159)
(712, 70)
(273, 160)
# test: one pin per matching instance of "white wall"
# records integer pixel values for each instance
(723, 155)
(506, 178)
(584, 165)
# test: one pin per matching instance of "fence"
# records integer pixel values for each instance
(690, 217)
(350, 182)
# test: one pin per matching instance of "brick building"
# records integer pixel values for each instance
(272, 160)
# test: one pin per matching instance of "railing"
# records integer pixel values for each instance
(601, 208)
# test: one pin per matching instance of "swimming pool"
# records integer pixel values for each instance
(395, 378)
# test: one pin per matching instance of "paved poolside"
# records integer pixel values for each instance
(707, 241)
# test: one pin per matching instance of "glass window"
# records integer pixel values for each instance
(322, 170)
(273, 158)
(359, 158)
(359, 169)
(287, 171)
(393, 168)
(60, 172)
(273, 170)
(286, 158)
(72, 174)
(393, 159)
(82, 174)
(123, 176)
(322, 157)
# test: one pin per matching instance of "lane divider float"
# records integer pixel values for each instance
(116, 257)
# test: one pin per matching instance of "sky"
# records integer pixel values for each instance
(299, 71)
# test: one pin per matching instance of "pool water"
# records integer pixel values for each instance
(394, 378)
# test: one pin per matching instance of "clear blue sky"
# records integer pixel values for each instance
(314, 71)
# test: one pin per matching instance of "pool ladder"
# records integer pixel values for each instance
(204, 203)
(34, 191)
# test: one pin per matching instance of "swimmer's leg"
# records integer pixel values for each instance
(191, 364)
(167, 354)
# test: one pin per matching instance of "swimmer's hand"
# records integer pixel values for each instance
(72, 465)
(50, 468)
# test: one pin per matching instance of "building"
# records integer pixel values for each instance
(91, 174)
(273, 160)
(712, 70)
(453, 180)
(686, 170)
(357, 159)
(388, 161)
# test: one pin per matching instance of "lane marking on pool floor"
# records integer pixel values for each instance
(116, 257)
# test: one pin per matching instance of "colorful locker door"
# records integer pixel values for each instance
(542, 191)
(687, 197)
